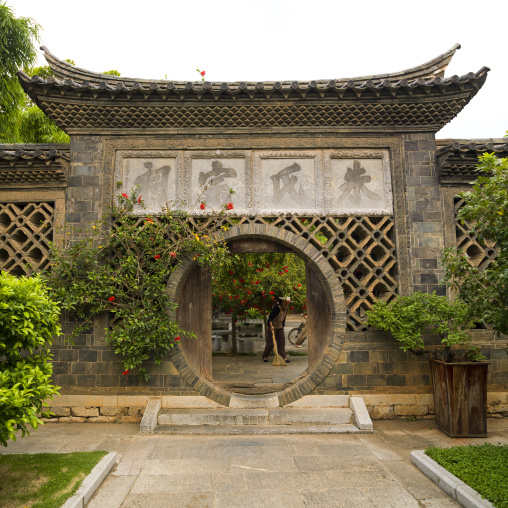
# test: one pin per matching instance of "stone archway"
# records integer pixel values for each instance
(332, 342)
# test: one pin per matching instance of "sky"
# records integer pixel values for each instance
(267, 40)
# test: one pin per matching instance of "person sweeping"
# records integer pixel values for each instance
(275, 339)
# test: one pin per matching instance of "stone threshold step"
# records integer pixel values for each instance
(272, 416)
(258, 429)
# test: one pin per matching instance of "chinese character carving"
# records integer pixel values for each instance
(216, 190)
(285, 182)
(356, 179)
(153, 185)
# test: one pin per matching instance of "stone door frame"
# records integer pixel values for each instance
(333, 343)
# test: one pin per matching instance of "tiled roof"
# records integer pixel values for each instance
(419, 97)
(457, 159)
(29, 164)
(435, 68)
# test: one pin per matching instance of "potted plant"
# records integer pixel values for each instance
(459, 387)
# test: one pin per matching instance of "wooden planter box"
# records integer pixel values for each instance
(460, 397)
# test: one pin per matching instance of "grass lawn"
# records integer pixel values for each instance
(483, 467)
(43, 480)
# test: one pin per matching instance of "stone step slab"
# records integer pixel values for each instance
(258, 429)
(219, 416)
(235, 416)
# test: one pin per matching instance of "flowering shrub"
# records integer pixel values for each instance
(122, 267)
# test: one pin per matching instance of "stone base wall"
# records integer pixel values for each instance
(130, 409)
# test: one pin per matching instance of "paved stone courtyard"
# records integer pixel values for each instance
(249, 374)
(304, 471)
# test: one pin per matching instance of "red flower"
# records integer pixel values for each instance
(272, 292)
(157, 256)
(242, 281)
(125, 195)
(139, 200)
(305, 306)
(231, 272)
(149, 220)
(202, 206)
(125, 372)
(172, 254)
(203, 73)
(230, 297)
(177, 339)
(111, 298)
(291, 308)
(257, 282)
(286, 271)
(299, 285)
(230, 206)
(237, 296)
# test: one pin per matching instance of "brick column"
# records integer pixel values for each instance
(425, 212)
(84, 188)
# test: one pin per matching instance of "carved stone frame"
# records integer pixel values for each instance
(358, 154)
(318, 178)
(217, 154)
(121, 155)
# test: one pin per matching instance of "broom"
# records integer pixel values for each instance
(278, 360)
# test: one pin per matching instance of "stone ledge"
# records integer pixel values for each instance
(455, 488)
(92, 482)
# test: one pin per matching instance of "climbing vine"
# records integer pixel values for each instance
(121, 267)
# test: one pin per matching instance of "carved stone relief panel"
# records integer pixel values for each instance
(358, 182)
(210, 176)
(288, 182)
(154, 175)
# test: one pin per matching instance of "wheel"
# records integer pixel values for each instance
(292, 335)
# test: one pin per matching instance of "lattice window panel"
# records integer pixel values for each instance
(479, 254)
(26, 231)
(361, 250)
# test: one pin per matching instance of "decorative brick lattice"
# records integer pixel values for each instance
(361, 251)
(132, 116)
(26, 230)
(479, 254)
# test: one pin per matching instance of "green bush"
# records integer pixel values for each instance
(409, 317)
(28, 322)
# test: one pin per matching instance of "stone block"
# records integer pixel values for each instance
(381, 412)
(410, 409)
(102, 419)
(72, 419)
(85, 411)
(135, 411)
(109, 410)
(60, 411)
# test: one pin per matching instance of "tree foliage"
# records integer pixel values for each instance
(486, 208)
(17, 51)
(29, 320)
(121, 266)
(247, 285)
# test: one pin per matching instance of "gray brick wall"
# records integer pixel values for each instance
(425, 212)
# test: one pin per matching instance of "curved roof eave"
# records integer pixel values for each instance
(434, 68)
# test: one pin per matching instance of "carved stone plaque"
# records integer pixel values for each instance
(210, 179)
(358, 183)
(288, 183)
(153, 176)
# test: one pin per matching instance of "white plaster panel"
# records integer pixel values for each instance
(358, 182)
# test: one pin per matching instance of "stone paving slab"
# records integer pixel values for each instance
(219, 471)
